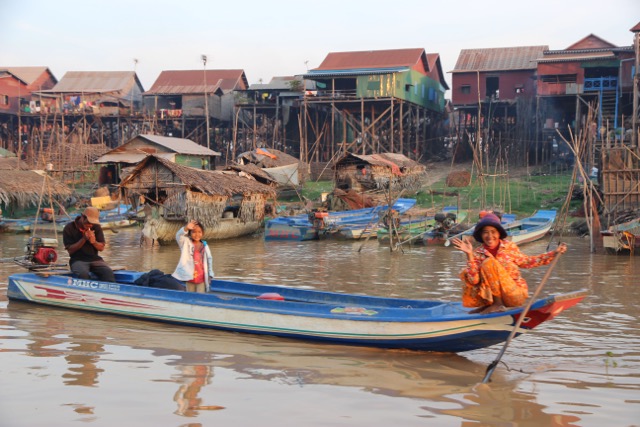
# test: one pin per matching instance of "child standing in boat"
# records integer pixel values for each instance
(196, 264)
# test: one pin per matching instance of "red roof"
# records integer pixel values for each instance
(192, 81)
(373, 59)
(636, 28)
(591, 42)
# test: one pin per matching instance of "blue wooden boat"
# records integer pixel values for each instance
(319, 224)
(287, 312)
(530, 229)
(121, 216)
(523, 230)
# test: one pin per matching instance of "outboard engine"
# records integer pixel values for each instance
(318, 219)
(41, 251)
(444, 222)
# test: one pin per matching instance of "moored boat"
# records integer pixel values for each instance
(315, 225)
(533, 228)
(435, 230)
(523, 230)
(109, 219)
(622, 237)
(291, 313)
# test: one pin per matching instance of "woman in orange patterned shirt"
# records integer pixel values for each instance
(492, 279)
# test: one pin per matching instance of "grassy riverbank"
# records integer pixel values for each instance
(521, 191)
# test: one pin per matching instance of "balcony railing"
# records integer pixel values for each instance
(599, 84)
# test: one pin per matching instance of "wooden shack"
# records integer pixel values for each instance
(378, 172)
(227, 204)
(178, 150)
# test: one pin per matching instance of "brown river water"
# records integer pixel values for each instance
(62, 368)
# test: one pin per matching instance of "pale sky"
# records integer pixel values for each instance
(270, 38)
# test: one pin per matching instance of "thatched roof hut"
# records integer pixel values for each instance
(226, 203)
(377, 171)
(13, 163)
(20, 189)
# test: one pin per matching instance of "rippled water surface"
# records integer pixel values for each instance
(61, 367)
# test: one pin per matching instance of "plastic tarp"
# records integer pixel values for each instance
(285, 175)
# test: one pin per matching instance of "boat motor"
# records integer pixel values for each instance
(445, 221)
(41, 251)
(318, 219)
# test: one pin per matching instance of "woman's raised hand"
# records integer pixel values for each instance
(463, 245)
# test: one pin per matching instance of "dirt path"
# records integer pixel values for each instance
(439, 171)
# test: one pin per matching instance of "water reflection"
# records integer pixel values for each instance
(445, 384)
(502, 405)
(583, 368)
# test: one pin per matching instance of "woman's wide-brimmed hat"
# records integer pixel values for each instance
(493, 221)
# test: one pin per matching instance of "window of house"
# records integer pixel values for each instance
(4, 99)
(493, 87)
(559, 78)
(432, 94)
(465, 89)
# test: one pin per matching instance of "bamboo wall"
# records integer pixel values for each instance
(621, 180)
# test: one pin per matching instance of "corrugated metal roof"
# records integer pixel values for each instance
(371, 59)
(591, 42)
(569, 56)
(131, 158)
(192, 81)
(180, 145)
(283, 83)
(175, 145)
(382, 159)
(94, 81)
(353, 72)
(26, 74)
(499, 59)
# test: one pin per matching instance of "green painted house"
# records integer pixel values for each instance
(407, 74)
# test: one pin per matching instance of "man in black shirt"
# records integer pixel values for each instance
(83, 239)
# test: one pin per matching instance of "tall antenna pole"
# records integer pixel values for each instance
(636, 95)
(133, 88)
(206, 101)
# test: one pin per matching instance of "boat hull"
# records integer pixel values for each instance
(301, 314)
(301, 228)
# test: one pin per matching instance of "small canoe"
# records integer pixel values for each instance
(302, 227)
(287, 312)
(533, 228)
(523, 230)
